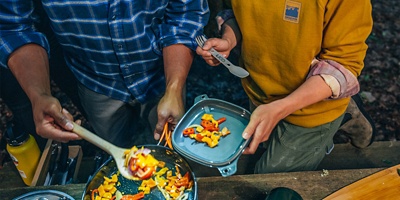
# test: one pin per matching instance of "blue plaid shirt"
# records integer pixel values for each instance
(113, 47)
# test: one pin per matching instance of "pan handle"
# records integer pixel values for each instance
(200, 98)
(228, 170)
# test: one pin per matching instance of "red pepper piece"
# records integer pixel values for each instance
(221, 120)
(188, 131)
(208, 125)
(137, 196)
(199, 138)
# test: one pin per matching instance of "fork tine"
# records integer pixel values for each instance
(199, 41)
(203, 38)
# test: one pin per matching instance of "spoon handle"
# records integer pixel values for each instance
(93, 138)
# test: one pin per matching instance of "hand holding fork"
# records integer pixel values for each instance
(235, 70)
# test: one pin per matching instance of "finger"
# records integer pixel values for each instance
(54, 132)
(159, 129)
(67, 114)
(249, 130)
(210, 43)
(61, 119)
(78, 121)
(251, 149)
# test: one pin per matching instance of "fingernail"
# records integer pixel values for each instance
(69, 126)
(156, 136)
(245, 135)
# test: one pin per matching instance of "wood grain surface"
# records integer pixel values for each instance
(384, 184)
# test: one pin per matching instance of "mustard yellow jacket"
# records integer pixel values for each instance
(280, 38)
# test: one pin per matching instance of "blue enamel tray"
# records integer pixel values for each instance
(225, 155)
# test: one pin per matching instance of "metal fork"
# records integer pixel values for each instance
(235, 70)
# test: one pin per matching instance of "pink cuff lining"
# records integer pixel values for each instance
(349, 85)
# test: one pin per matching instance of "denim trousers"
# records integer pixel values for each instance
(19, 104)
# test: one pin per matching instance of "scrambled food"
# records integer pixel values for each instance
(152, 173)
(208, 131)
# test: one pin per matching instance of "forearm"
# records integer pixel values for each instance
(177, 62)
(231, 32)
(311, 91)
(30, 66)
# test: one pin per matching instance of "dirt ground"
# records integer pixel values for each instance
(380, 84)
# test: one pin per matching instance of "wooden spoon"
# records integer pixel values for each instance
(116, 152)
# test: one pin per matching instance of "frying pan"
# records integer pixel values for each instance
(171, 158)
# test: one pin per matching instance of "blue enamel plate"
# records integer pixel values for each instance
(225, 155)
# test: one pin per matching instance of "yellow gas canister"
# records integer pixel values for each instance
(24, 152)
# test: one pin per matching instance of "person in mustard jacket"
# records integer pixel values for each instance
(304, 58)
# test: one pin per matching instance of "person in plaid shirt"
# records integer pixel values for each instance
(131, 59)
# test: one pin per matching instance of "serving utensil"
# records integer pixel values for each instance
(116, 152)
(235, 70)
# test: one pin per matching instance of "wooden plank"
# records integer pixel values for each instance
(380, 154)
(43, 165)
(344, 156)
(310, 185)
(381, 185)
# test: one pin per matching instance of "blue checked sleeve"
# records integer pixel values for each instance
(183, 21)
(17, 28)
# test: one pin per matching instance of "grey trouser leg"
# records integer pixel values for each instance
(120, 123)
(295, 148)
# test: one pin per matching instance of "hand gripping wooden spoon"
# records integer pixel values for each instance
(116, 152)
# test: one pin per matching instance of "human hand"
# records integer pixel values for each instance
(223, 46)
(262, 121)
(170, 109)
(52, 121)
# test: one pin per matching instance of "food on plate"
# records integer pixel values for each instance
(208, 131)
(152, 173)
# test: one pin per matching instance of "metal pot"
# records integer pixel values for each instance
(171, 158)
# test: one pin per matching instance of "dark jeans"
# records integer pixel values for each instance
(15, 98)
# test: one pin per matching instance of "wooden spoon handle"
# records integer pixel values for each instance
(93, 138)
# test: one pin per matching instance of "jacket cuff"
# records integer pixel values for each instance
(348, 83)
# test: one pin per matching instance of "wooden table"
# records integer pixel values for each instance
(310, 185)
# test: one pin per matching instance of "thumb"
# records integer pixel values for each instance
(62, 119)
(159, 129)
(249, 131)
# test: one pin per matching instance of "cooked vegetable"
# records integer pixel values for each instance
(106, 190)
(144, 167)
(137, 196)
(166, 134)
(188, 131)
(140, 163)
(208, 131)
